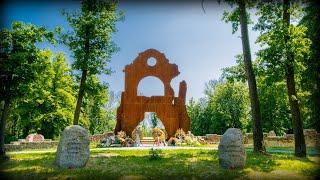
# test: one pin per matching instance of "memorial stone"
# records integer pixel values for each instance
(231, 149)
(73, 149)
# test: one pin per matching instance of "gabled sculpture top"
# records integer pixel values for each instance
(139, 69)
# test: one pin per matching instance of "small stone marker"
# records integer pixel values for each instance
(35, 138)
(73, 149)
(231, 150)
(272, 134)
(108, 141)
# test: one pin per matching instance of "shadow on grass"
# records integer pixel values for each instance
(270, 162)
(174, 164)
(260, 162)
(199, 165)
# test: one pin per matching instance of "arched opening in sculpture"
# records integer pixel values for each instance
(150, 86)
(149, 122)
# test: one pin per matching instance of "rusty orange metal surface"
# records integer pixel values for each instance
(170, 109)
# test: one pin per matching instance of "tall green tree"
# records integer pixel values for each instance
(311, 77)
(300, 146)
(230, 104)
(94, 105)
(60, 100)
(201, 117)
(240, 17)
(193, 110)
(272, 94)
(275, 109)
(90, 41)
(227, 106)
(111, 107)
(47, 105)
(286, 47)
(20, 62)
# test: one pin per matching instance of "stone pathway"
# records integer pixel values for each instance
(314, 152)
(155, 147)
(118, 148)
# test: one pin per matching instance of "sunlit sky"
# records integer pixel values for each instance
(199, 42)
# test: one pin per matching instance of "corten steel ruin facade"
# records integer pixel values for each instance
(170, 109)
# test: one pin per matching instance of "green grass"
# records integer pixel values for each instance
(176, 164)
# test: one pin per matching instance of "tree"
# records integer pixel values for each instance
(111, 107)
(300, 146)
(225, 107)
(274, 106)
(285, 49)
(237, 72)
(90, 41)
(272, 95)
(201, 117)
(47, 105)
(311, 77)
(154, 120)
(240, 17)
(94, 102)
(20, 62)
(193, 112)
(59, 103)
(230, 104)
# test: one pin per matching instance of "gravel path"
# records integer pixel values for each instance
(118, 148)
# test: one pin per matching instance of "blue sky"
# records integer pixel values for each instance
(199, 43)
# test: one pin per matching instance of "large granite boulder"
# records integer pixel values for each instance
(231, 150)
(73, 149)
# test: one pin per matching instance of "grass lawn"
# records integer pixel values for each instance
(174, 164)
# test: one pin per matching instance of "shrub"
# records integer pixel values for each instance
(155, 154)
(134, 133)
(157, 132)
(180, 134)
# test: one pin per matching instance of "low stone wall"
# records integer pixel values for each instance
(248, 138)
(24, 144)
(312, 139)
(213, 138)
(279, 141)
(98, 137)
(19, 146)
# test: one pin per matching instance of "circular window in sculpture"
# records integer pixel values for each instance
(152, 61)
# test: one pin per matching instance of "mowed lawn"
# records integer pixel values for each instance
(174, 164)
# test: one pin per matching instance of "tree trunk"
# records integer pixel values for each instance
(83, 79)
(5, 113)
(300, 146)
(317, 99)
(80, 97)
(316, 50)
(4, 117)
(255, 106)
(316, 54)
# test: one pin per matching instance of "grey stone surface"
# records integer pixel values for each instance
(73, 149)
(35, 138)
(108, 141)
(231, 150)
(272, 134)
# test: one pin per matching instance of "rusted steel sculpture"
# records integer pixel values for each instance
(170, 109)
